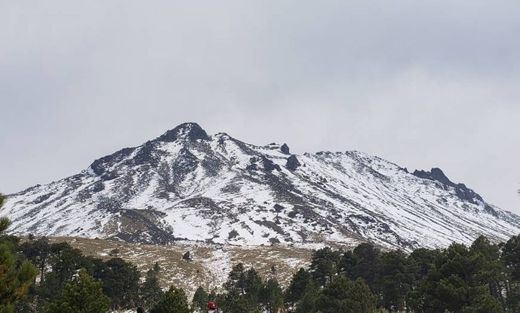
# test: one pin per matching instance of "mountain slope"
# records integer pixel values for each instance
(187, 185)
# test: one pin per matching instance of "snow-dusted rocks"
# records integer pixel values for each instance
(187, 185)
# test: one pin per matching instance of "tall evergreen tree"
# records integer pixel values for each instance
(16, 276)
(65, 262)
(307, 303)
(82, 295)
(38, 252)
(324, 265)
(271, 296)
(511, 259)
(367, 264)
(490, 271)
(121, 283)
(297, 287)
(394, 280)
(242, 290)
(200, 299)
(150, 291)
(173, 301)
(347, 264)
(344, 296)
(453, 284)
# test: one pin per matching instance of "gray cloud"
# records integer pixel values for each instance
(429, 83)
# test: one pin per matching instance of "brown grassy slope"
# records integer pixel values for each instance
(211, 263)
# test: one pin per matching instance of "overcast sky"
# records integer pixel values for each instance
(420, 83)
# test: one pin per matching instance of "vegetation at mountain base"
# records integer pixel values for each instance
(200, 299)
(16, 274)
(82, 295)
(172, 301)
(39, 276)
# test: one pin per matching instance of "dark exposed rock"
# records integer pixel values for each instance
(463, 192)
(274, 241)
(435, 174)
(269, 165)
(111, 205)
(292, 163)
(252, 165)
(99, 166)
(278, 208)
(285, 149)
(211, 165)
(271, 225)
(109, 176)
(146, 154)
(97, 187)
(189, 131)
(232, 234)
(184, 164)
(40, 199)
(141, 226)
(83, 195)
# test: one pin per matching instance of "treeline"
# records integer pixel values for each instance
(58, 278)
(38, 276)
(484, 277)
(481, 278)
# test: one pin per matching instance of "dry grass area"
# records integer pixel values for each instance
(210, 265)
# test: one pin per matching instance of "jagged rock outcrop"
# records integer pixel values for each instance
(292, 163)
(285, 149)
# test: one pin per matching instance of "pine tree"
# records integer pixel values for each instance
(362, 298)
(491, 271)
(200, 299)
(307, 303)
(173, 301)
(272, 296)
(394, 280)
(82, 295)
(297, 287)
(324, 265)
(347, 263)
(38, 252)
(121, 283)
(343, 295)
(16, 276)
(253, 287)
(367, 264)
(454, 284)
(242, 290)
(65, 262)
(150, 291)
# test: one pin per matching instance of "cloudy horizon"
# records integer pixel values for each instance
(430, 84)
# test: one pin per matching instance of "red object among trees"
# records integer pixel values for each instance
(212, 305)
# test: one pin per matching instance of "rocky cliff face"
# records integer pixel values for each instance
(188, 185)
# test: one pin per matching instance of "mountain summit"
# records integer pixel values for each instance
(188, 185)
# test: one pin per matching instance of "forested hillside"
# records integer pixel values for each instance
(38, 276)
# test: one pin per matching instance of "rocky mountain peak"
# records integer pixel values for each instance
(186, 131)
(463, 192)
(185, 185)
(435, 174)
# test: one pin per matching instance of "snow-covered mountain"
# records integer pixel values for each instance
(187, 185)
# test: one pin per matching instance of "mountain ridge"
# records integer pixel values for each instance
(188, 185)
